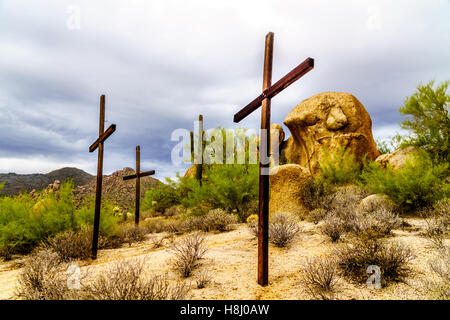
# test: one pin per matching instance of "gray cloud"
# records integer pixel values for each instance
(161, 63)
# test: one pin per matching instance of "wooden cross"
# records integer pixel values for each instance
(138, 175)
(269, 91)
(102, 136)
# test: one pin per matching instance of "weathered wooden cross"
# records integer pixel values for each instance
(138, 175)
(269, 91)
(102, 136)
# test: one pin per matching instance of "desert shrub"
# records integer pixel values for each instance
(283, 228)
(108, 222)
(187, 252)
(158, 242)
(131, 233)
(428, 120)
(203, 278)
(317, 215)
(71, 245)
(340, 167)
(229, 187)
(377, 223)
(25, 222)
(172, 211)
(250, 207)
(156, 225)
(162, 197)
(437, 219)
(439, 287)
(316, 193)
(320, 278)
(333, 227)
(43, 277)
(348, 196)
(218, 220)
(420, 183)
(392, 259)
(126, 280)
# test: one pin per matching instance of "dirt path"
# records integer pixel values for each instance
(231, 260)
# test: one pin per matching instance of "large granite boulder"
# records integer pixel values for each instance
(286, 183)
(328, 121)
(397, 159)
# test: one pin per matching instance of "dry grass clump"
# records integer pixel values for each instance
(218, 220)
(283, 229)
(46, 277)
(439, 288)
(317, 215)
(172, 211)
(437, 221)
(320, 278)
(72, 245)
(43, 277)
(131, 233)
(160, 224)
(333, 227)
(187, 252)
(214, 220)
(317, 193)
(203, 279)
(125, 280)
(354, 259)
(376, 224)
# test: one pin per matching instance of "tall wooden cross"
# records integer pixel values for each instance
(102, 136)
(138, 175)
(269, 91)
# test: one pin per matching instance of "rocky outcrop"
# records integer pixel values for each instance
(328, 121)
(15, 183)
(286, 182)
(397, 159)
(115, 190)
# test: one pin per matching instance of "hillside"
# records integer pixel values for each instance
(15, 183)
(115, 190)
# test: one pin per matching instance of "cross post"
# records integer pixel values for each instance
(264, 100)
(102, 136)
(138, 175)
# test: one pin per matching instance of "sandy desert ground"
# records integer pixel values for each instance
(231, 260)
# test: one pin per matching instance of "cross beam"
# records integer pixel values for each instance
(138, 175)
(264, 100)
(103, 137)
(98, 192)
(142, 174)
(279, 86)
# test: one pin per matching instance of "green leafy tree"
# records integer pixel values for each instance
(428, 119)
(162, 197)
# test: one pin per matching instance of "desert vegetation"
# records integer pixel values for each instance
(356, 213)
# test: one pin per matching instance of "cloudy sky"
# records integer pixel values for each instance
(161, 63)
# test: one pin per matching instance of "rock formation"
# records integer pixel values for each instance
(397, 159)
(285, 187)
(323, 123)
(328, 121)
(115, 190)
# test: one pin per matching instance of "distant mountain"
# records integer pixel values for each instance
(16, 183)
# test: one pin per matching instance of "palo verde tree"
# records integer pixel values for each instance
(428, 119)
